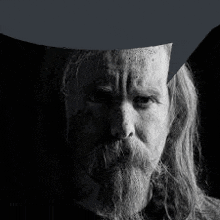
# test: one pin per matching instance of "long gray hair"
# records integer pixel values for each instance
(176, 190)
(181, 195)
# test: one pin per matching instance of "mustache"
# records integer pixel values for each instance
(109, 156)
(123, 152)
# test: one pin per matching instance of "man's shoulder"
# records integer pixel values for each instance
(210, 209)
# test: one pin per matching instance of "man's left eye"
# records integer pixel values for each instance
(142, 101)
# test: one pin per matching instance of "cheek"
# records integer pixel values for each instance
(86, 128)
(152, 131)
(94, 119)
(84, 115)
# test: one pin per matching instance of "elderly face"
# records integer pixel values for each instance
(118, 122)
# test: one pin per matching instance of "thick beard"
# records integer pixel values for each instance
(123, 171)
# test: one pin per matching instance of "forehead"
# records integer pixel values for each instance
(141, 66)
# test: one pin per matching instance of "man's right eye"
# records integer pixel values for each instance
(99, 97)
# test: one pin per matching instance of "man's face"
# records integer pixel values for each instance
(118, 120)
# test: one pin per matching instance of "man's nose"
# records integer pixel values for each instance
(122, 121)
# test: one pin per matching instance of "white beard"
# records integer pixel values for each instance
(125, 195)
(123, 183)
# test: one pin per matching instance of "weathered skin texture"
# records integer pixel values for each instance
(121, 95)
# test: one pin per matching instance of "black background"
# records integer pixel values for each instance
(32, 112)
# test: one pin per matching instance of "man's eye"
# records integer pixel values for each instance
(142, 101)
(99, 97)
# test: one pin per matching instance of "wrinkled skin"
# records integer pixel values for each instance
(118, 123)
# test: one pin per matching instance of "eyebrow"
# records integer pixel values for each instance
(151, 91)
(104, 88)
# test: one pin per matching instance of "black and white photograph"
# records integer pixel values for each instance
(110, 134)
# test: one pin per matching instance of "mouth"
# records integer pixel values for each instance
(106, 159)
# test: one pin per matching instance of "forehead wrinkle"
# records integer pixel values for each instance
(149, 69)
(140, 59)
(124, 63)
(116, 69)
(136, 65)
(124, 60)
(110, 62)
(133, 66)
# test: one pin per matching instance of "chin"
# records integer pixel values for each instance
(123, 173)
(124, 193)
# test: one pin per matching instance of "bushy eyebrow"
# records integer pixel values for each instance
(107, 90)
(104, 88)
(149, 91)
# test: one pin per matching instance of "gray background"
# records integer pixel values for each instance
(121, 24)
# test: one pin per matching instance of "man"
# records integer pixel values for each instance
(132, 136)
